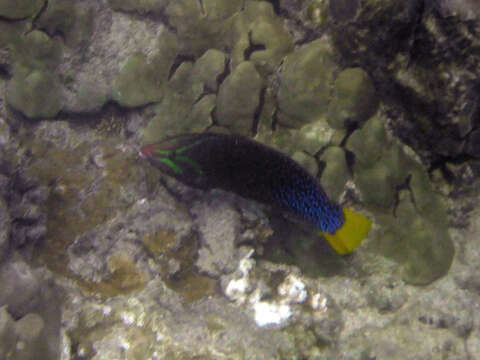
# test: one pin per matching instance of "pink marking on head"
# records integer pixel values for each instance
(146, 151)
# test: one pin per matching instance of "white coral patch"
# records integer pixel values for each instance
(293, 290)
(271, 313)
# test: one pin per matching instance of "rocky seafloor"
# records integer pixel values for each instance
(104, 257)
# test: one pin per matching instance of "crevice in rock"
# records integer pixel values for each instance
(213, 116)
(206, 91)
(276, 6)
(350, 160)
(4, 72)
(351, 127)
(252, 47)
(179, 60)
(258, 111)
(275, 119)
(398, 189)
(202, 7)
(224, 74)
(39, 14)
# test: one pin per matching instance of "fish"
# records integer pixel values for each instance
(248, 168)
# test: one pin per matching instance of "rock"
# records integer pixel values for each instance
(20, 288)
(219, 226)
(4, 229)
(8, 337)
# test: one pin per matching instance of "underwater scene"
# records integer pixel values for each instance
(239, 180)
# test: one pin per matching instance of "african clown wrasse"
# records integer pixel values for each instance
(252, 170)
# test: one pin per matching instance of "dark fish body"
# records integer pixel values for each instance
(248, 168)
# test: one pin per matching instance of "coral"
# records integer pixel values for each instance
(201, 24)
(36, 50)
(37, 93)
(353, 100)
(138, 82)
(20, 9)
(260, 36)
(73, 23)
(336, 173)
(141, 79)
(35, 89)
(239, 97)
(306, 77)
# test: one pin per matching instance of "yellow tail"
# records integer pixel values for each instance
(354, 229)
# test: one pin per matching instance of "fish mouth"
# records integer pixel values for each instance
(146, 151)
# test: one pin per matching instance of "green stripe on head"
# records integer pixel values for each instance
(176, 169)
(187, 160)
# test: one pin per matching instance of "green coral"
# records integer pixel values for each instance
(73, 23)
(35, 93)
(20, 9)
(380, 164)
(36, 50)
(239, 97)
(187, 103)
(208, 68)
(201, 24)
(306, 77)
(138, 82)
(35, 89)
(423, 247)
(412, 222)
(336, 173)
(141, 79)
(353, 100)
(257, 25)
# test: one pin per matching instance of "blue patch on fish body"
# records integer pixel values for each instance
(303, 198)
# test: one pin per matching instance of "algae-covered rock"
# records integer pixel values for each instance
(353, 100)
(20, 9)
(37, 93)
(239, 97)
(306, 77)
(336, 173)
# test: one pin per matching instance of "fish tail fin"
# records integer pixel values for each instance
(353, 230)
